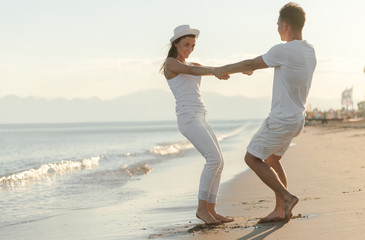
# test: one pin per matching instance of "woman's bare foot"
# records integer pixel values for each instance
(211, 209)
(275, 216)
(222, 218)
(289, 205)
(206, 217)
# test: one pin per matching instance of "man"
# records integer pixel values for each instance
(294, 63)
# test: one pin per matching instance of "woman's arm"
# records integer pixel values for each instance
(175, 66)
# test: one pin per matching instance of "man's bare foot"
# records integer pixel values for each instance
(206, 217)
(275, 216)
(222, 218)
(289, 205)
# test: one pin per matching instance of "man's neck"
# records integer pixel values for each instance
(294, 36)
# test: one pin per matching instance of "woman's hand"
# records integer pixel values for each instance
(225, 77)
(249, 73)
(220, 73)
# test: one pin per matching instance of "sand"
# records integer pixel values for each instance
(325, 169)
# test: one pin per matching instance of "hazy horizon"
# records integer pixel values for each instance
(157, 105)
(336, 100)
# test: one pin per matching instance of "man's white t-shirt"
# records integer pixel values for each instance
(294, 64)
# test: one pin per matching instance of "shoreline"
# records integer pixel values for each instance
(325, 170)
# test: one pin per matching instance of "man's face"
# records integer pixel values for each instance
(282, 26)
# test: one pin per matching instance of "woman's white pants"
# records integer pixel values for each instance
(196, 128)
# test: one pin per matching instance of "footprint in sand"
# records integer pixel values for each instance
(256, 204)
(358, 190)
(309, 198)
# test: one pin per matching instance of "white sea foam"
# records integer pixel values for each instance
(142, 169)
(128, 154)
(49, 169)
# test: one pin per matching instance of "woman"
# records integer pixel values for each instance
(184, 81)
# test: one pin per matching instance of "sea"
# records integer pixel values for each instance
(117, 180)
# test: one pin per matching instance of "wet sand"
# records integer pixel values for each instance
(325, 169)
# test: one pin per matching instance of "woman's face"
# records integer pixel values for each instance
(185, 47)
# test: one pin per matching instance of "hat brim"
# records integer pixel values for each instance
(184, 33)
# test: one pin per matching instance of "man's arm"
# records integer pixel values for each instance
(245, 66)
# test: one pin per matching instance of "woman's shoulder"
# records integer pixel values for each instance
(171, 60)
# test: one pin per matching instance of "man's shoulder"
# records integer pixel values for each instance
(276, 49)
(296, 47)
(278, 46)
(299, 44)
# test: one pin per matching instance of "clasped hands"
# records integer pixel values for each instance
(223, 75)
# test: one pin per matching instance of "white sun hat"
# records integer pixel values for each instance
(183, 30)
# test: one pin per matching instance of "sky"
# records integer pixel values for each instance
(87, 48)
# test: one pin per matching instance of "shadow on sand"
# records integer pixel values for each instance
(261, 231)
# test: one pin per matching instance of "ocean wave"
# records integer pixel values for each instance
(47, 170)
(171, 149)
(117, 176)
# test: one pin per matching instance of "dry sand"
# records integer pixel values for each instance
(325, 169)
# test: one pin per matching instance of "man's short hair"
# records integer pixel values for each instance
(294, 15)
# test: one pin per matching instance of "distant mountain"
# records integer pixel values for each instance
(150, 105)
